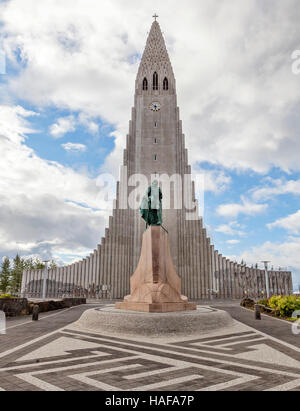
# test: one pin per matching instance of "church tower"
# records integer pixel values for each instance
(155, 146)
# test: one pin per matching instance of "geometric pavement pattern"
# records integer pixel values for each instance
(71, 360)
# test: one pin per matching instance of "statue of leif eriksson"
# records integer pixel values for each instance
(151, 207)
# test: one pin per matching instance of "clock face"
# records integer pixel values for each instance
(155, 106)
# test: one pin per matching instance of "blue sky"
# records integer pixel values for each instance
(65, 103)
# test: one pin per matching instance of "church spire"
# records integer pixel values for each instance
(155, 60)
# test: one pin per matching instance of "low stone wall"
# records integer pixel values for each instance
(21, 306)
(14, 306)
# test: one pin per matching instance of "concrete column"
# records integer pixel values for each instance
(106, 278)
(95, 266)
(72, 278)
(80, 276)
(213, 269)
(68, 279)
(29, 282)
(102, 261)
(235, 280)
(231, 265)
(91, 270)
(216, 275)
(33, 283)
(84, 277)
(49, 283)
(228, 275)
(225, 281)
(86, 274)
(209, 268)
(76, 282)
(23, 283)
(98, 266)
(115, 251)
(54, 282)
(221, 293)
(194, 259)
(64, 280)
(61, 281)
(205, 265)
(122, 263)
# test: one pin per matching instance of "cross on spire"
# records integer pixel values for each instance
(155, 16)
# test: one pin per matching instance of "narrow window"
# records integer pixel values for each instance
(155, 81)
(145, 84)
(166, 84)
(155, 157)
(155, 124)
(155, 141)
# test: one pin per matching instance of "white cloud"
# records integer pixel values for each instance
(285, 255)
(75, 147)
(216, 181)
(46, 209)
(247, 207)
(13, 123)
(91, 125)
(232, 228)
(63, 126)
(276, 187)
(239, 99)
(232, 242)
(290, 223)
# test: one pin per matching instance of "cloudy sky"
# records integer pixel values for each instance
(66, 90)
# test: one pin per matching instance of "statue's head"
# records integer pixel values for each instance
(155, 183)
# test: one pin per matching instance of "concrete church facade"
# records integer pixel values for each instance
(156, 146)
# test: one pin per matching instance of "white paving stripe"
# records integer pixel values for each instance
(165, 348)
(287, 386)
(84, 377)
(38, 383)
(229, 384)
(41, 364)
(43, 317)
(171, 381)
(156, 372)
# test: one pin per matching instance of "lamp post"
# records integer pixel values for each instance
(267, 278)
(45, 278)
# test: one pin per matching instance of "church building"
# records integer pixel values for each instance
(155, 146)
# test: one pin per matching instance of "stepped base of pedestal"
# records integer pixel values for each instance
(156, 307)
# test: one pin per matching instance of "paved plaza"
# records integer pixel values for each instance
(53, 355)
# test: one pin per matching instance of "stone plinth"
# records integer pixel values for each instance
(155, 325)
(155, 286)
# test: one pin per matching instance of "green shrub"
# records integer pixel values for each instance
(285, 305)
(6, 296)
(264, 301)
(274, 302)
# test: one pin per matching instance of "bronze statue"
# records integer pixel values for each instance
(151, 207)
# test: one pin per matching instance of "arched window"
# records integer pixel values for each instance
(155, 81)
(166, 84)
(145, 84)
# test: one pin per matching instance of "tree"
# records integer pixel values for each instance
(16, 274)
(5, 276)
(52, 264)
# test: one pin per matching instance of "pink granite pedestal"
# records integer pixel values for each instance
(155, 286)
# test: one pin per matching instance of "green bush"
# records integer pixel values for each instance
(274, 302)
(285, 305)
(264, 301)
(6, 296)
